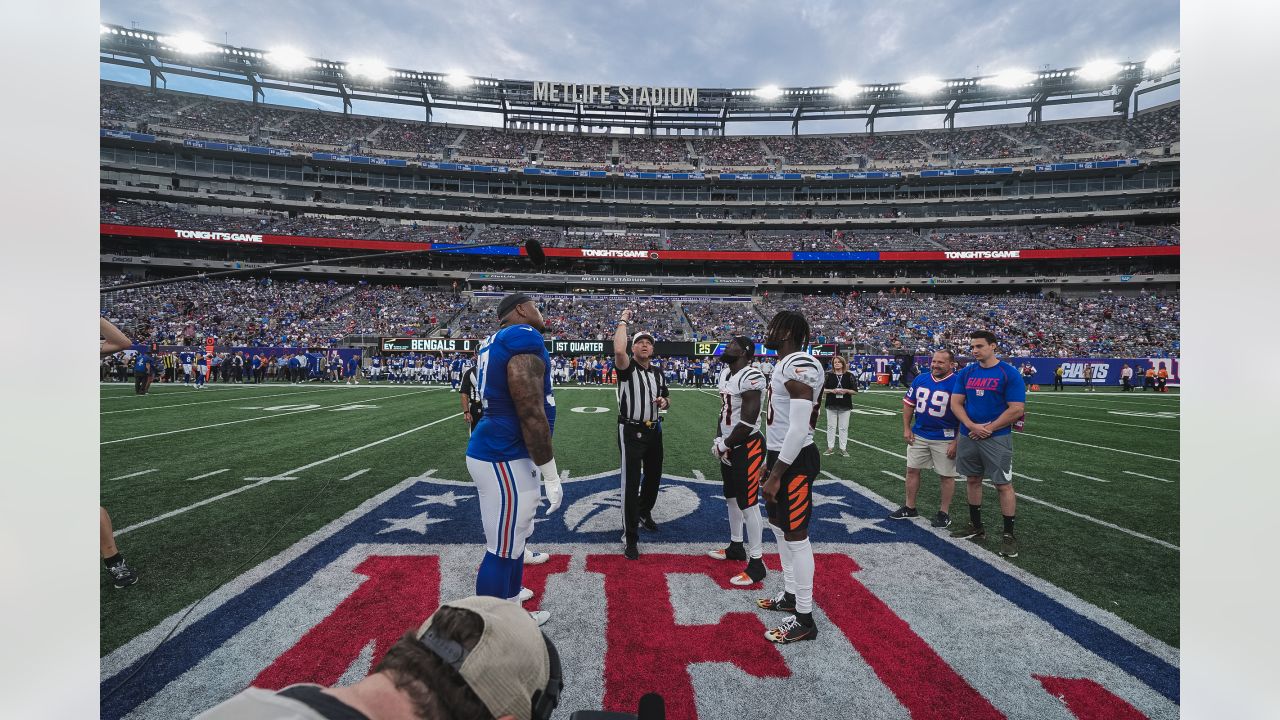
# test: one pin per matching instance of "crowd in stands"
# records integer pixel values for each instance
(720, 320)
(121, 105)
(705, 240)
(795, 240)
(897, 240)
(1144, 325)
(615, 241)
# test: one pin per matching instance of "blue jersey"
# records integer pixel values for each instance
(142, 363)
(988, 392)
(497, 437)
(456, 366)
(932, 400)
(186, 358)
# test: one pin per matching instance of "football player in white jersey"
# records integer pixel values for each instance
(740, 448)
(792, 462)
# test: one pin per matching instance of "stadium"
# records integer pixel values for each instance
(333, 272)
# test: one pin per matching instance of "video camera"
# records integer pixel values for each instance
(651, 707)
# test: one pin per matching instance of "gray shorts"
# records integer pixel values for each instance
(991, 458)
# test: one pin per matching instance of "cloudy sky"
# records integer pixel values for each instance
(699, 43)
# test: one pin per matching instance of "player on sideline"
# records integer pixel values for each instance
(739, 447)
(791, 464)
(931, 432)
(511, 445)
(188, 358)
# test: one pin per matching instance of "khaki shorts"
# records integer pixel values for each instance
(923, 454)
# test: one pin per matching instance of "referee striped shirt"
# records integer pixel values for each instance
(638, 392)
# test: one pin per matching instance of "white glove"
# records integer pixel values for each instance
(551, 485)
(721, 451)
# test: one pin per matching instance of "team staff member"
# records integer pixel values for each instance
(1057, 378)
(642, 392)
(988, 397)
(739, 447)
(792, 460)
(838, 388)
(511, 445)
(122, 576)
(932, 432)
(141, 372)
(1162, 379)
(469, 391)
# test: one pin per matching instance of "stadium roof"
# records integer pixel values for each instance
(551, 104)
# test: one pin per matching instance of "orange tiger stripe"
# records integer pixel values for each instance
(796, 482)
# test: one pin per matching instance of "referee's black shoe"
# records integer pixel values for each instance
(630, 551)
(646, 520)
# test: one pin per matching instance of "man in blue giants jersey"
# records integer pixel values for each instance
(455, 371)
(932, 432)
(186, 358)
(989, 396)
(511, 445)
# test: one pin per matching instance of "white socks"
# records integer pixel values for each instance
(755, 531)
(735, 519)
(785, 557)
(802, 570)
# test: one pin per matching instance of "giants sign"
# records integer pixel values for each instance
(912, 624)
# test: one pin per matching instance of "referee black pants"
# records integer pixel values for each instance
(641, 472)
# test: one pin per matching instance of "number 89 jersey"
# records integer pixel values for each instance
(932, 401)
(803, 367)
(731, 388)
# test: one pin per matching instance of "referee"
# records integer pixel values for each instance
(472, 407)
(642, 392)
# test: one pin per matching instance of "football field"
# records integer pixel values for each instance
(204, 486)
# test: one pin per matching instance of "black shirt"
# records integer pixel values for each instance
(471, 390)
(846, 382)
(638, 389)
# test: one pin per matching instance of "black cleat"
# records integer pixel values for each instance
(941, 520)
(122, 576)
(781, 603)
(646, 520)
(904, 513)
(630, 551)
(754, 573)
(734, 551)
(792, 630)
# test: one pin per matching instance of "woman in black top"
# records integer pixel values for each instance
(839, 389)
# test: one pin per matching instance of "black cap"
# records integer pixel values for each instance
(747, 343)
(510, 303)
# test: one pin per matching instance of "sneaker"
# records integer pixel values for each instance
(941, 520)
(830, 451)
(1008, 546)
(646, 520)
(754, 573)
(540, 616)
(781, 603)
(844, 453)
(735, 551)
(791, 630)
(122, 576)
(532, 557)
(904, 513)
(970, 531)
(630, 551)
(524, 594)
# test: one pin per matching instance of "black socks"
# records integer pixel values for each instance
(975, 515)
(1008, 524)
(113, 561)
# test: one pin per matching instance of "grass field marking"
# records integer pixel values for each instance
(260, 417)
(1037, 501)
(206, 402)
(894, 475)
(286, 475)
(171, 390)
(697, 475)
(1027, 477)
(134, 650)
(1102, 447)
(125, 477)
(1149, 477)
(1033, 400)
(1108, 400)
(208, 474)
(354, 475)
(1086, 477)
(1034, 413)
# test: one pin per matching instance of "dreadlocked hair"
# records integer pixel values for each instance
(792, 324)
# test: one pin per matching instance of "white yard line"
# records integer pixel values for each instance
(140, 472)
(175, 390)
(261, 417)
(208, 474)
(894, 475)
(1033, 400)
(207, 402)
(1086, 477)
(283, 476)
(1100, 447)
(354, 475)
(1149, 477)
(1032, 413)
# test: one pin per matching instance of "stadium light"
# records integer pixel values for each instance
(768, 92)
(1161, 59)
(103, 29)
(188, 44)
(846, 89)
(923, 86)
(1098, 70)
(1011, 79)
(288, 59)
(370, 69)
(459, 79)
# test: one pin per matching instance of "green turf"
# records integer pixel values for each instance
(182, 557)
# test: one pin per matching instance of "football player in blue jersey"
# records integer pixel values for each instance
(931, 430)
(511, 445)
(187, 359)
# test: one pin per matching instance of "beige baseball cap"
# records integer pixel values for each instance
(508, 665)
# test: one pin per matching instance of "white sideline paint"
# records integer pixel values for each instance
(140, 472)
(894, 475)
(208, 474)
(1027, 477)
(286, 475)
(203, 402)
(1149, 477)
(1096, 408)
(260, 417)
(169, 389)
(1034, 414)
(1100, 447)
(354, 475)
(1086, 477)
